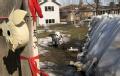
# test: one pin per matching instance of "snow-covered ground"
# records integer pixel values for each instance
(45, 42)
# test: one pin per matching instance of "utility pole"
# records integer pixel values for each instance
(80, 6)
(97, 5)
(81, 3)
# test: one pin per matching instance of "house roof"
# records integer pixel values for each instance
(52, 1)
(69, 7)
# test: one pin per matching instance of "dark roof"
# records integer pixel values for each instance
(57, 3)
(52, 1)
(69, 6)
(42, 3)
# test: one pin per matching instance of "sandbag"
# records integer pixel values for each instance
(16, 30)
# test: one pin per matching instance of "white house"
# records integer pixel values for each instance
(51, 13)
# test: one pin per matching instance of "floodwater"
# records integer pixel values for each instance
(103, 44)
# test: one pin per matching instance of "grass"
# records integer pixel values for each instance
(44, 34)
(75, 32)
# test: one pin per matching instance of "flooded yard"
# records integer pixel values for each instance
(55, 60)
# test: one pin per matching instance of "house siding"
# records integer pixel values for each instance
(50, 14)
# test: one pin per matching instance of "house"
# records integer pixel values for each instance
(67, 13)
(75, 13)
(50, 10)
(112, 8)
(86, 11)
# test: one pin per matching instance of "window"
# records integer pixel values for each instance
(49, 8)
(53, 20)
(52, 8)
(46, 8)
(46, 20)
(50, 21)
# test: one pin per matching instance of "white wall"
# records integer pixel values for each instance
(50, 14)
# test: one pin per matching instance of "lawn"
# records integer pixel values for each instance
(75, 32)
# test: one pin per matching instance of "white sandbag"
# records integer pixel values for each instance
(17, 16)
(16, 36)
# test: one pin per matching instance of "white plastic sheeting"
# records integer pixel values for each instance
(16, 30)
(104, 44)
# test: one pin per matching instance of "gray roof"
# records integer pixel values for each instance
(52, 1)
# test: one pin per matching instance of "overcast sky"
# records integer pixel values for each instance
(66, 2)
